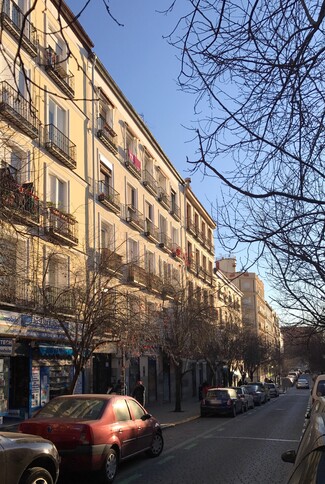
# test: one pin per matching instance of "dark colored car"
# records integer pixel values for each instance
(97, 432)
(263, 387)
(258, 393)
(221, 401)
(27, 459)
(309, 459)
(273, 389)
(247, 399)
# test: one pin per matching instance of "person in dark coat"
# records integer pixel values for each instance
(139, 392)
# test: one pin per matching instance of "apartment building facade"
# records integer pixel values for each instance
(257, 315)
(84, 184)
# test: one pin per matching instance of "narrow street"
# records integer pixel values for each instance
(226, 450)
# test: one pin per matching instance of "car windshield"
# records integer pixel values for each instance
(320, 392)
(252, 388)
(217, 394)
(77, 408)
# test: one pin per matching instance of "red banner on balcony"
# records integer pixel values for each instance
(135, 160)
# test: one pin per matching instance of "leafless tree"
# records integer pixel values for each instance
(256, 70)
(91, 311)
(186, 323)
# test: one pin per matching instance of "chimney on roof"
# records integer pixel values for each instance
(188, 182)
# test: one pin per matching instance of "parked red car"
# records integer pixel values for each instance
(96, 432)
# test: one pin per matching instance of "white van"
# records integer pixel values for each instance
(318, 388)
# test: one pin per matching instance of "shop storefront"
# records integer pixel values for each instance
(35, 363)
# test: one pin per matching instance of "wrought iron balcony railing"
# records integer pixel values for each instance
(56, 67)
(19, 200)
(59, 145)
(58, 300)
(133, 164)
(109, 197)
(18, 111)
(106, 134)
(165, 242)
(111, 262)
(149, 182)
(17, 23)
(61, 226)
(135, 218)
(137, 274)
(151, 231)
(163, 198)
(175, 210)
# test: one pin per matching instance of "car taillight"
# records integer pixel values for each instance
(85, 435)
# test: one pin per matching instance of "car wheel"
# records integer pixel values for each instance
(36, 475)
(247, 407)
(157, 445)
(110, 466)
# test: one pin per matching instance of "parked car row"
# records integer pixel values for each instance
(309, 458)
(94, 433)
(233, 400)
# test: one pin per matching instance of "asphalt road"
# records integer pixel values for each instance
(213, 450)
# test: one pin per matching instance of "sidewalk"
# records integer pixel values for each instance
(163, 412)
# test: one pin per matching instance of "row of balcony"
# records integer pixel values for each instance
(16, 291)
(111, 263)
(23, 293)
(194, 230)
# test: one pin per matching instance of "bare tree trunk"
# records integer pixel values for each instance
(178, 387)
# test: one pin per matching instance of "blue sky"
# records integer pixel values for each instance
(145, 67)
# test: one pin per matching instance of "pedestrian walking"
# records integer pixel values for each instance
(139, 392)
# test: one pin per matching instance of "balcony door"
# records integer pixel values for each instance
(58, 126)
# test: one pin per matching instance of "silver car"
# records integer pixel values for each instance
(27, 459)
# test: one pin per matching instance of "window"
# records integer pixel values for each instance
(175, 239)
(58, 271)
(57, 116)
(133, 250)
(57, 50)
(162, 224)
(107, 236)
(131, 196)
(149, 261)
(106, 111)
(131, 144)
(196, 221)
(121, 411)
(58, 195)
(162, 181)
(136, 409)
(197, 258)
(173, 201)
(203, 229)
(147, 162)
(106, 176)
(148, 211)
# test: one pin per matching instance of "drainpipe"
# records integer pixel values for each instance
(94, 60)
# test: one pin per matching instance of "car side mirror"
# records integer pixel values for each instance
(146, 416)
(289, 456)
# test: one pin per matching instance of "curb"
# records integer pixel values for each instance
(173, 424)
